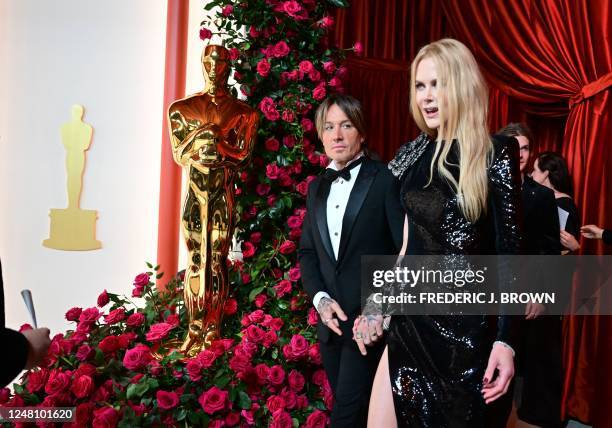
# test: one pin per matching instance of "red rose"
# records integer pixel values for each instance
(290, 398)
(315, 75)
(299, 345)
(326, 22)
(260, 300)
(270, 339)
(137, 357)
(240, 363)
(257, 316)
(173, 320)
(85, 369)
(82, 386)
(58, 382)
(302, 186)
(275, 403)
(263, 67)
(109, 344)
(207, 358)
(232, 419)
(248, 250)
(293, 9)
(167, 400)
(115, 316)
(89, 316)
(262, 189)
(254, 333)
(155, 368)
(319, 377)
(335, 82)
(301, 401)
(276, 324)
(159, 331)
(277, 375)
(84, 352)
(289, 141)
(135, 320)
(313, 316)
(230, 307)
(213, 400)
(306, 66)
(358, 48)
(288, 116)
(296, 380)
(227, 10)
(73, 314)
(83, 414)
(272, 144)
(141, 280)
(262, 372)
(103, 299)
(234, 54)
(287, 247)
(294, 221)
(280, 49)
(307, 125)
(294, 272)
(281, 419)
(36, 380)
(194, 369)
(319, 92)
(272, 171)
(106, 417)
(254, 32)
(205, 33)
(268, 108)
(316, 419)
(282, 288)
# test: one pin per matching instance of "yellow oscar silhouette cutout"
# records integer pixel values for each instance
(73, 228)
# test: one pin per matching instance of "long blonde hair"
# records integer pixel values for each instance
(462, 106)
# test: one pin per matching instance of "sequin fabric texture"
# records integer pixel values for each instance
(436, 363)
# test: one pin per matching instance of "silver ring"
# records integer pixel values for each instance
(327, 320)
(358, 335)
(373, 334)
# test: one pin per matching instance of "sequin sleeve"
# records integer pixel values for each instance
(407, 155)
(505, 198)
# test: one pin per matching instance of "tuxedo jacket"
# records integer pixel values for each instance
(372, 225)
(14, 345)
(540, 218)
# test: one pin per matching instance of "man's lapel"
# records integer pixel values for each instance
(320, 209)
(358, 194)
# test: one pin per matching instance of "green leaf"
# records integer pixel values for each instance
(222, 381)
(244, 402)
(274, 353)
(181, 415)
(254, 292)
(136, 390)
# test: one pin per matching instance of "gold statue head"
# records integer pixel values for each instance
(77, 112)
(216, 67)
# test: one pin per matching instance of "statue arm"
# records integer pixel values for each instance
(238, 154)
(182, 136)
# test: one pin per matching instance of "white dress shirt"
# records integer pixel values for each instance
(338, 197)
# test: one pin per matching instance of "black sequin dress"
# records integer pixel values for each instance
(436, 363)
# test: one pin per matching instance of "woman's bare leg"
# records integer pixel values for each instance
(382, 412)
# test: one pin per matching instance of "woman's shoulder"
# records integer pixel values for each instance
(408, 154)
(566, 202)
(505, 152)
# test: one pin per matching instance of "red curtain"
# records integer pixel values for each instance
(549, 64)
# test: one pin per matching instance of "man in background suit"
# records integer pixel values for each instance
(19, 351)
(540, 398)
(352, 210)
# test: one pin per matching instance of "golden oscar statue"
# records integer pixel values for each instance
(212, 136)
(73, 228)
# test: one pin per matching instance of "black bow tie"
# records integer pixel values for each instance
(332, 175)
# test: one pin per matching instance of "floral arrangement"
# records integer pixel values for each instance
(266, 370)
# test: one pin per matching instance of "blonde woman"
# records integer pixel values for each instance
(460, 189)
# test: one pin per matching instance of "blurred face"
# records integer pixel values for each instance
(539, 175)
(426, 91)
(341, 140)
(524, 152)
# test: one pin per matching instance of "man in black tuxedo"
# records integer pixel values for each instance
(352, 210)
(539, 353)
(20, 351)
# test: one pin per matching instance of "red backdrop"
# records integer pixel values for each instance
(549, 64)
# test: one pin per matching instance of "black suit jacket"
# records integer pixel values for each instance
(541, 219)
(14, 345)
(372, 225)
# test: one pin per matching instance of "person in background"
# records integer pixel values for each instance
(591, 231)
(550, 170)
(352, 210)
(20, 350)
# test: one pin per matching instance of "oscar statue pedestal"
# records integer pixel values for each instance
(73, 229)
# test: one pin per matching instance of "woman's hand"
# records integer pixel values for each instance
(591, 231)
(502, 359)
(568, 241)
(367, 330)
